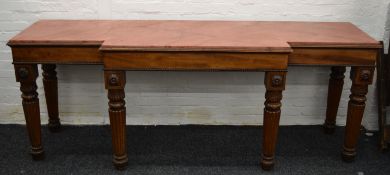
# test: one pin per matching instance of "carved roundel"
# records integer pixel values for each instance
(113, 80)
(23, 73)
(277, 80)
(365, 75)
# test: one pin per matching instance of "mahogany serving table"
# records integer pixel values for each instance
(193, 45)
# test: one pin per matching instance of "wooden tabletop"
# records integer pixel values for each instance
(170, 35)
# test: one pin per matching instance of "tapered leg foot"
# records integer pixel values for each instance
(37, 153)
(115, 83)
(361, 78)
(329, 129)
(120, 162)
(267, 163)
(348, 155)
(335, 88)
(50, 85)
(54, 126)
(274, 83)
(27, 74)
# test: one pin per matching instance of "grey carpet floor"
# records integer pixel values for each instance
(188, 150)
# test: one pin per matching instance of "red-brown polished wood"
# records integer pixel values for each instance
(361, 77)
(27, 74)
(115, 83)
(63, 32)
(251, 36)
(50, 85)
(335, 88)
(194, 60)
(192, 45)
(115, 61)
(255, 36)
(57, 54)
(312, 43)
(332, 56)
(275, 84)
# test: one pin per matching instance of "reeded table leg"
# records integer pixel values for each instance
(51, 93)
(361, 78)
(274, 83)
(335, 88)
(115, 82)
(27, 74)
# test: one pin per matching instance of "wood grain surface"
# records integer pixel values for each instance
(134, 60)
(162, 35)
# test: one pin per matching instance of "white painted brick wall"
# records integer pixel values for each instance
(187, 97)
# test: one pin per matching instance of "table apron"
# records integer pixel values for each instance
(194, 61)
(333, 56)
(57, 54)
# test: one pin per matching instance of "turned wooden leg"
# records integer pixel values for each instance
(274, 83)
(335, 88)
(115, 82)
(27, 74)
(361, 77)
(51, 93)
